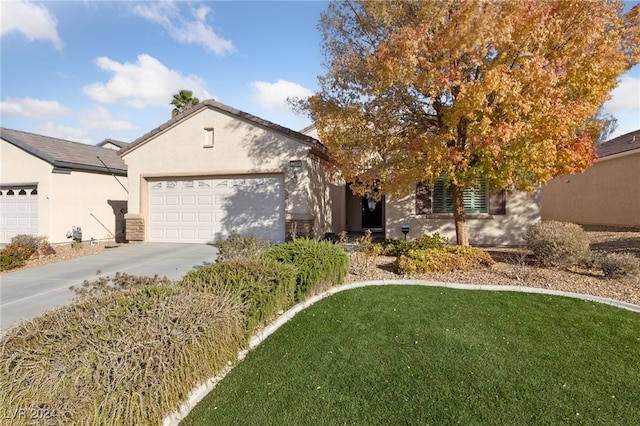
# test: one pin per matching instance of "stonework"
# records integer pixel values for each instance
(134, 228)
(299, 228)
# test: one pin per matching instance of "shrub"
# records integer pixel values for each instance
(448, 259)
(237, 246)
(13, 256)
(391, 247)
(128, 357)
(30, 242)
(558, 243)
(617, 265)
(318, 264)
(121, 281)
(265, 286)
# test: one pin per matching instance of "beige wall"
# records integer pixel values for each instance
(239, 147)
(65, 200)
(523, 209)
(606, 194)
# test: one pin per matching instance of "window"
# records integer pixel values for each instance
(439, 199)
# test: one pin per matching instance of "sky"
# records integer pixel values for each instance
(93, 70)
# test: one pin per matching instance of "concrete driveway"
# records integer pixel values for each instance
(28, 293)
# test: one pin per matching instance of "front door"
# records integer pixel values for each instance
(372, 219)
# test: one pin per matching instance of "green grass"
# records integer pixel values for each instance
(422, 355)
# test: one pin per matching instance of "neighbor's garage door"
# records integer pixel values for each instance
(207, 210)
(18, 211)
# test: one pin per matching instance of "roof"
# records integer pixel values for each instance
(66, 154)
(624, 143)
(314, 143)
(119, 144)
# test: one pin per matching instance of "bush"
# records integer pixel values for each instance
(13, 256)
(448, 259)
(617, 265)
(128, 357)
(30, 242)
(391, 247)
(558, 243)
(120, 282)
(318, 264)
(265, 286)
(238, 247)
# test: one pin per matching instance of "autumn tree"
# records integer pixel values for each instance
(182, 101)
(417, 91)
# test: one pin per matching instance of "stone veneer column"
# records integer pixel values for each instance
(134, 227)
(298, 228)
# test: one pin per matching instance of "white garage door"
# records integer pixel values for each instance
(18, 211)
(209, 209)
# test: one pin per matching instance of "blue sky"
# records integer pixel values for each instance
(91, 70)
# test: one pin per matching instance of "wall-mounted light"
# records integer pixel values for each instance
(295, 164)
(371, 201)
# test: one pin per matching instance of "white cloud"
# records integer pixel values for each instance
(626, 96)
(100, 118)
(63, 132)
(35, 22)
(273, 96)
(183, 30)
(32, 108)
(145, 82)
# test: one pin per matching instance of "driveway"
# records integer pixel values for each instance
(28, 293)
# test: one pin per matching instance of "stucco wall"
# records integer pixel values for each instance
(239, 147)
(523, 209)
(606, 194)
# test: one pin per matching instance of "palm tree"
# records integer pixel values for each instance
(183, 101)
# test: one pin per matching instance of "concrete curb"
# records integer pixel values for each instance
(197, 394)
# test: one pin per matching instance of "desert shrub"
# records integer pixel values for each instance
(265, 286)
(127, 357)
(121, 281)
(237, 246)
(13, 256)
(558, 243)
(318, 264)
(447, 259)
(617, 265)
(392, 247)
(30, 242)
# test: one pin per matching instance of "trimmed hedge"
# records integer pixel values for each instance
(265, 286)
(319, 264)
(391, 247)
(448, 259)
(127, 357)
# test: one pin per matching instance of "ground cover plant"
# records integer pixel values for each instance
(421, 355)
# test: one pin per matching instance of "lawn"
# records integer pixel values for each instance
(422, 355)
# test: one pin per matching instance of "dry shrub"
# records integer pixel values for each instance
(617, 265)
(558, 243)
(237, 247)
(448, 259)
(126, 357)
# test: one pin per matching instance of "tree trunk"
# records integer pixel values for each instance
(458, 215)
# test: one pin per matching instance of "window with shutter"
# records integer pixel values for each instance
(476, 199)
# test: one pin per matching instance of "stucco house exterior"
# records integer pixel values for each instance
(49, 185)
(213, 169)
(604, 196)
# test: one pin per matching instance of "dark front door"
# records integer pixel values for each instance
(371, 219)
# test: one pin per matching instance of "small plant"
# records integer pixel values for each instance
(342, 237)
(448, 259)
(617, 265)
(391, 247)
(558, 243)
(519, 261)
(76, 245)
(237, 246)
(13, 256)
(361, 261)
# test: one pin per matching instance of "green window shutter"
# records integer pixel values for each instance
(475, 199)
(442, 198)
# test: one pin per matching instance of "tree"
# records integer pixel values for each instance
(183, 101)
(505, 90)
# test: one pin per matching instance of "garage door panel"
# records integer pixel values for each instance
(210, 209)
(19, 211)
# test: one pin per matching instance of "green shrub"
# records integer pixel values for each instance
(617, 265)
(447, 259)
(12, 257)
(391, 247)
(264, 285)
(127, 357)
(238, 247)
(30, 242)
(318, 264)
(558, 243)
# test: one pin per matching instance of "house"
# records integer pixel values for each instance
(213, 169)
(604, 196)
(49, 185)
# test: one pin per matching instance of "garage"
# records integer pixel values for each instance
(205, 210)
(18, 211)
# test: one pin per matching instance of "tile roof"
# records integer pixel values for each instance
(624, 143)
(119, 144)
(66, 154)
(314, 143)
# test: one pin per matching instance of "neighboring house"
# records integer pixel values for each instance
(606, 195)
(213, 169)
(112, 144)
(49, 185)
